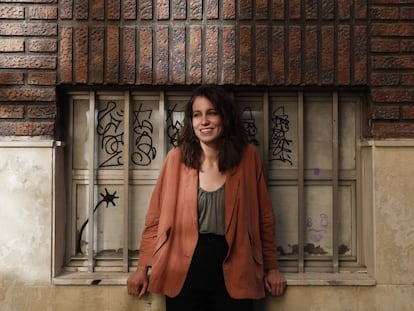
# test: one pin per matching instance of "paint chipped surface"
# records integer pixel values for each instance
(25, 215)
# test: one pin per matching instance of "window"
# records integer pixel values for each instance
(310, 148)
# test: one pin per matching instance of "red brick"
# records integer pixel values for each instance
(145, 55)
(27, 128)
(28, 62)
(28, 29)
(41, 111)
(262, 11)
(407, 13)
(145, 9)
(393, 62)
(82, 10)
(228, 54)
(392, 29)
(42, 45)
(245, 52)
(392, 129)
(360, 55)
(11, 112)
(161, 57)
(98, 9)
(41, 78)
(245, 9)
(178, 65)
(407, 112)
(195, 55)
(311, 9)
(392, 95)
(10, 78)
(384, 13)
(327, 55)
(65, 55)
(96, 61)
(278, 9)
(163, 9)
(212, 9)
(344, 9)
(385, 45)
(130, 9)
(11, 12)
(27, 94)
(407, 45)
(294, 62)
(211, 55)
(11, 45)
(179, 9)
(112, 55)
(42, 12)
(385, 79)
(262, 55)
(128, 62)
(294, 9)
(113, 9)
(360, 9)
(278, 55)
(80, 54)
(65, 9)
(344, 54)
(407, 79)
(327, 9)
(311, 55)
(385, 112)
(229, 9)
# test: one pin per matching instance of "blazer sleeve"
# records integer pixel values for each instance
(150, 232)
(267, 219)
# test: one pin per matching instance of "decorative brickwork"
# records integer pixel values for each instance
(277, 43)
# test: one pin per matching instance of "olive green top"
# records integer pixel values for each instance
(211, 211)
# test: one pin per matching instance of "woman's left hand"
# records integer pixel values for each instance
(275, 282)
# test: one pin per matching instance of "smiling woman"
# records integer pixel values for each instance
(228, 257)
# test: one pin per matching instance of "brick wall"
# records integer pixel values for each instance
(300, 44)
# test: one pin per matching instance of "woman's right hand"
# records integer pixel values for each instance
(137, 282)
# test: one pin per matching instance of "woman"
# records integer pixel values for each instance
(209, 234)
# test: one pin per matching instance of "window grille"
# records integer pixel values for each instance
(117, 142)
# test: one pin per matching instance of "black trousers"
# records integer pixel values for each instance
(204, 288)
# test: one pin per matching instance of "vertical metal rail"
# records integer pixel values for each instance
(127, 118)
(91, 181)
(162, 107)
(335, 183)
(301, 184)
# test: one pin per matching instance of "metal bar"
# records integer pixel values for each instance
(301, 184)
(266, 119)
(125, 257)
(335, 183)
(91, 181)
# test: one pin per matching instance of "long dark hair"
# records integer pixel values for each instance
(233, 139)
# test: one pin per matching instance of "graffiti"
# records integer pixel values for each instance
(106, 198)
(250, 126)
(110, 131)
(279, 144)
(143, 128)
(173, 126)
(317, 234)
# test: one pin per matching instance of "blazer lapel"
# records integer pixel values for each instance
(231, 189)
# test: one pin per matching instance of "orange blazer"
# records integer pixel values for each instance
(171, 227)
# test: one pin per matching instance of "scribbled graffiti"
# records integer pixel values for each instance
(173, 125)
(279, 143)
(110, 134)
(249, 124)
(145, 151)
(106, 198)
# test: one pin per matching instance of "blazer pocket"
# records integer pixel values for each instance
(256, 251)
(161, 240)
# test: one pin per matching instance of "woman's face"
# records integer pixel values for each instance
(206, 121)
